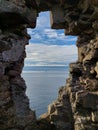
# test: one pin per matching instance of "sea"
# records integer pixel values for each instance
(43, 83)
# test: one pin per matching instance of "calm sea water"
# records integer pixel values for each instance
(43, 84)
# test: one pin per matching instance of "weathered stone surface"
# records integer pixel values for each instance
(14, 105)
(88, 100)
(4, 46)
(96, 69)
(60, 113)
(57, 17)
(51, 108)
(76, 107)
(95, 116)
(18, 13)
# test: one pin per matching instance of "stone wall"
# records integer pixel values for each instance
(76, 107)
(15, 113)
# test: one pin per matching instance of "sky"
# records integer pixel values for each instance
(49, 47)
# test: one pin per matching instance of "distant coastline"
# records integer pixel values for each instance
(44, 68)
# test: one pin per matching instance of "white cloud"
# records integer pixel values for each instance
(50, 33)
(54, 34)
(36, 36)
(43, 31)
(42, 54)
(43, 20)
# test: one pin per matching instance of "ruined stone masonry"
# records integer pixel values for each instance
(76, 107)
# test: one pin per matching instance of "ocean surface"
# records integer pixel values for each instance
(43, 83)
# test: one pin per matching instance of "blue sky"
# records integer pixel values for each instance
(49, 47)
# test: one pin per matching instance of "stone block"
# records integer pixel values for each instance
(4, 46)
(18, 12)
(96, 69)
(95, 116)
(75, 69)
(57, 19)
(87, 100)
(31, 16)
(51, 108)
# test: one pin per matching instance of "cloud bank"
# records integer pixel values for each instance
(49, 47)
(50, 55)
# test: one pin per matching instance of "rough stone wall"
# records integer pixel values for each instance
(81, 88)
(76, 107)
(15, 113)
(14, 105)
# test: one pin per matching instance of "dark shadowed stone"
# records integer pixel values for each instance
(57, 18)
(70, 2)
(4, 46)
(87, 100)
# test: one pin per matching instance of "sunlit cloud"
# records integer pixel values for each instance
(43, 34)
(48, 46)
(50, 33)
(50, 37)
(50, 54)
(43, 20)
